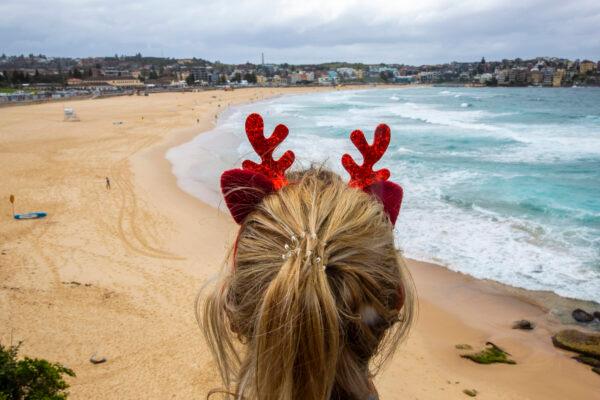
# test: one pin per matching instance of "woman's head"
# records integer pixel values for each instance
(316, 297)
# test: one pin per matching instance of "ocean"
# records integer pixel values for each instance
(499, 183)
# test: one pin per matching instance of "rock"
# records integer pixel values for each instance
(597, 315)
(470, 392)
(594, 362)
(580, 315)
(523, 324)
(463, 347)
(490, 355)
(97, 360)
(580, 342)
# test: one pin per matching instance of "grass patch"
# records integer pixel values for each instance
(490, 355)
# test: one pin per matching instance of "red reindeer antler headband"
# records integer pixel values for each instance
(245, 188)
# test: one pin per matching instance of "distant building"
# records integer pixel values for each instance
(558, 78)
(406, 79)
(586, 66)
(517, 76)
(428, 76)
(114, 72)
(261, 80)
(277, 80)
(502, 77)
(125, 83)
(302, 77)
(74, 82)
(536, 77)
(201, 74)
(128, 82)
(547, 76)
(347, 73)
(485, 78)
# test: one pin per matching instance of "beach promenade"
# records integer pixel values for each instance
(115, 271)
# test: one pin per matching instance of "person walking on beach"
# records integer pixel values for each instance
(315, 290)
(107, 183)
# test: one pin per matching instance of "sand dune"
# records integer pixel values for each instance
(115, 272)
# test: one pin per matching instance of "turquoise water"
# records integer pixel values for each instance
(499, 183)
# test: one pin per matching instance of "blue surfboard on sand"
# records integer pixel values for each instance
(31, 215)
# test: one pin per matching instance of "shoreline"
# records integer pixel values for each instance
(548, 300)
(148, 246)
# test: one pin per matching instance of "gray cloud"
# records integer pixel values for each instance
(428, 31)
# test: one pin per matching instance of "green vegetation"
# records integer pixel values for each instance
(31, 379)
(490, 355)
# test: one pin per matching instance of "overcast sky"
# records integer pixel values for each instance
(304, 31)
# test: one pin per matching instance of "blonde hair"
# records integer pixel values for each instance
(312, 297)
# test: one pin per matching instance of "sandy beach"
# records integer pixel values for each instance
(115, 272)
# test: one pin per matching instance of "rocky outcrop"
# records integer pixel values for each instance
(580, 342)
(524, 325)
(580, 315)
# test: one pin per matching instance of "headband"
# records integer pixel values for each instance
(244, 188)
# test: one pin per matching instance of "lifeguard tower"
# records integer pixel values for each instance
(69, 115)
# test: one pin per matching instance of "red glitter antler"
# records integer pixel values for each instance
(274, 170)
(244, 189)
(374, 182)
(363, 176)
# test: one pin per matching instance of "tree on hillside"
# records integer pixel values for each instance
(385, 76)
(190, 80)
(250, 77)
(153, 74)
